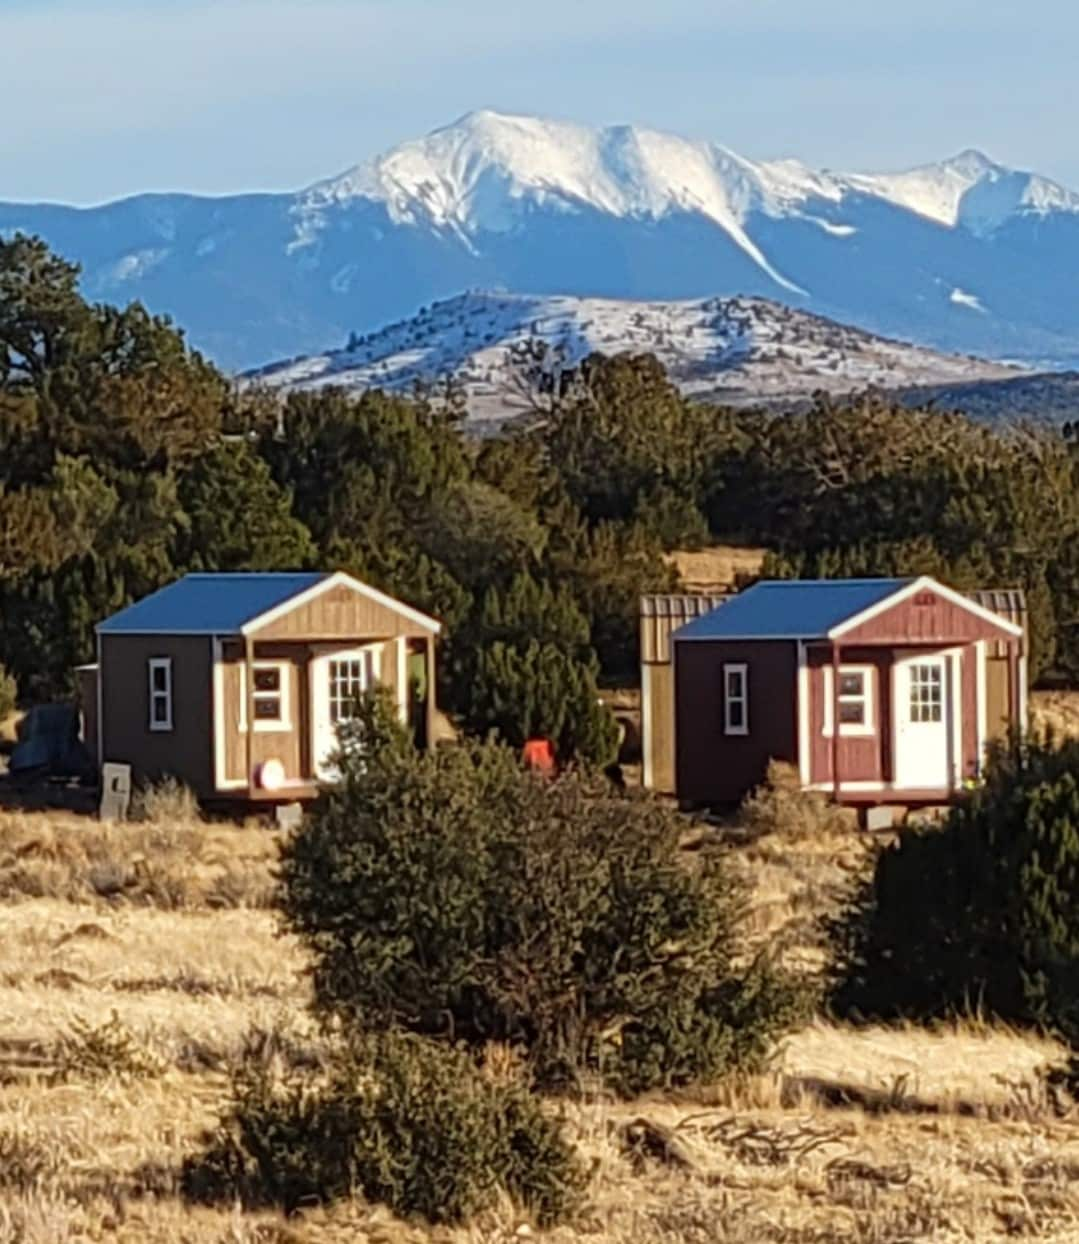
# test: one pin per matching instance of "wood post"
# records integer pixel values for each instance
(249, 709)
(1014, 710)
(432, 705)
(835, 724)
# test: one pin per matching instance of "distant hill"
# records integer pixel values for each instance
(960, 255)
(740, 351)
(1053, 396)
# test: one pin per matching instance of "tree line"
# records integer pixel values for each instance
(127, 459)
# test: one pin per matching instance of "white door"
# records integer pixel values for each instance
(923, 709)
(338, 679)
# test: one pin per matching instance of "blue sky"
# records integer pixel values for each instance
(100, 99)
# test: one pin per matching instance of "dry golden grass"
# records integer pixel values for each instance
(720, 566)
(870, 1136)
(1056, 712)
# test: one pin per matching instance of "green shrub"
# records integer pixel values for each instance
(538, 691)
(453, 894)
(9, 693)
(396, 1118)
(983, 912)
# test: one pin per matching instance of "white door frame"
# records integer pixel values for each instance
(951, 659)
(319, 695)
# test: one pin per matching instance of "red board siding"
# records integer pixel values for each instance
(715, 768)
(868, 759)
(862, 758)
(925, 618)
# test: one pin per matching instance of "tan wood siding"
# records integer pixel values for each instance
(997, 713)
(286, 745)
(184, 752)
(291, 747)
(657, 682)
(341, 613)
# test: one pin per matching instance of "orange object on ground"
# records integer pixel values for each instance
(538, 754)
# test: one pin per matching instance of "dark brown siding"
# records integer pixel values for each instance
(715, 768)
(925, 618)
(341, 613)
(862, 758)
(186, 751)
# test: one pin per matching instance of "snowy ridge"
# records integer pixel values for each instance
(475, 175)
(737, 350)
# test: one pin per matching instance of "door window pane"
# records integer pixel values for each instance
(350, 677)
(926, 693)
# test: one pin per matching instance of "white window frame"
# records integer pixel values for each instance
(851, 729)
(739, 670)
(154, 695)
(268, 725)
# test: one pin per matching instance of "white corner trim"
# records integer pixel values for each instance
(1024, 706)
(847, 729)
(804, 726)
(402, 678)
(981, 724)
(340, 579)
(921, 584)
(648, 774)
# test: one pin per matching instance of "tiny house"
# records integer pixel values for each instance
(877, 691)
(235, 684)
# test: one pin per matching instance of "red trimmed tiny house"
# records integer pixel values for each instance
(754, 680)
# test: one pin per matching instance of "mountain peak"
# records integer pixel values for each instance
(970, 163)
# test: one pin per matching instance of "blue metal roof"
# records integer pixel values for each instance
(208, 604)
(790, 608)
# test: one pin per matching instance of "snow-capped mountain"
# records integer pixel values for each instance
(733, 350)
(963, 255)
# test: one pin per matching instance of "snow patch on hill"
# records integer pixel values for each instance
(733, 349)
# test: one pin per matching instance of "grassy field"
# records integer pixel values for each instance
(135, 961)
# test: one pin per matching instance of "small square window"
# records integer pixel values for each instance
(268, 679)
(268, 708)
(851, 683)
(848, 699)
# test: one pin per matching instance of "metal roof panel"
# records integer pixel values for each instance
(790, 608)
(209, 604)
